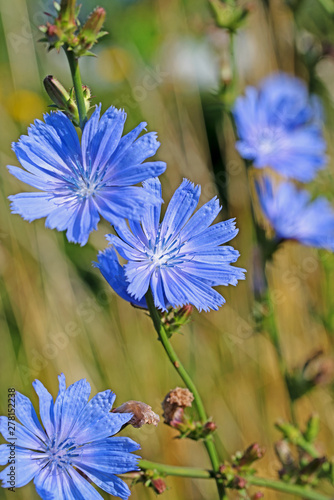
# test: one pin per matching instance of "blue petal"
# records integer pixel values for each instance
(24, 438)
(105, 458)
(59, 402)
(138, 275)
(202, 219)
(143, 148)
(33, 180)
(75, 399)
(108, 425)
(132, 174)
(32, 206)
(83, 221)
(88, 134)
(26, 414)
(220, 233)
(107, 482)
(123, 202)
(25, 471)
(197, 292)
(113, 272)
(46, 407)
(106, 138)
(126, 142)
(180, 208)
(151, 217)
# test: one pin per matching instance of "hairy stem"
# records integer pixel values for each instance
(163, 337)
(77, 83)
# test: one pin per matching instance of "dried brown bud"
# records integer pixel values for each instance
(284, 454)
(159, 485)
(319, 369)
(142, 413)
(174, 403)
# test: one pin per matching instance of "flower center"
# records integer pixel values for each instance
(86, 188)
(269, 140)
(60, 455)
(163, 252)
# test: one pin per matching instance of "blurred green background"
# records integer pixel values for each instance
(163, 62)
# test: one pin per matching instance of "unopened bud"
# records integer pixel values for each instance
(210, 426)
(95, 21)
(289, 431)
(257, 495)
(185, 312)
(159, 485)
(313, 466)
(240, 483)
(57, 93)
(142, 413)
(252, 453)
(312, 428)
(91, 30)
(67, 12)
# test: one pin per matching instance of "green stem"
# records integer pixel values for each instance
(76, 77)
(291, 489)
(174, 470)
(208, 441)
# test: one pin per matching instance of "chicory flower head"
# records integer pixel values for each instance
(181, 258)
(72, 449)
(80, 182)
(280, 126)
(294, 216)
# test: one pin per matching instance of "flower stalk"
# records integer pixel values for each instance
(163, 337)
(79, 94)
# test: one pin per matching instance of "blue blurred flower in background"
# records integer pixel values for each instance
(294, 216)
(280, 126)
(80, 182)
(180, 258)
(73, 449)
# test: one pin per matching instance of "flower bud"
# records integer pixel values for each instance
(91, 30)
(67, 12)
(228, 15)
(158, 485)
(252, 453)
(57, 93)
(257, 495)
(240, 483)
(62, 99)
(210, 426)
(312, 428)
(142, 413)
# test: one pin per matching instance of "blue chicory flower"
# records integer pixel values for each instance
(73, 449)
(80, 182)
(280, 126)
(181, 258)
(294, 216)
